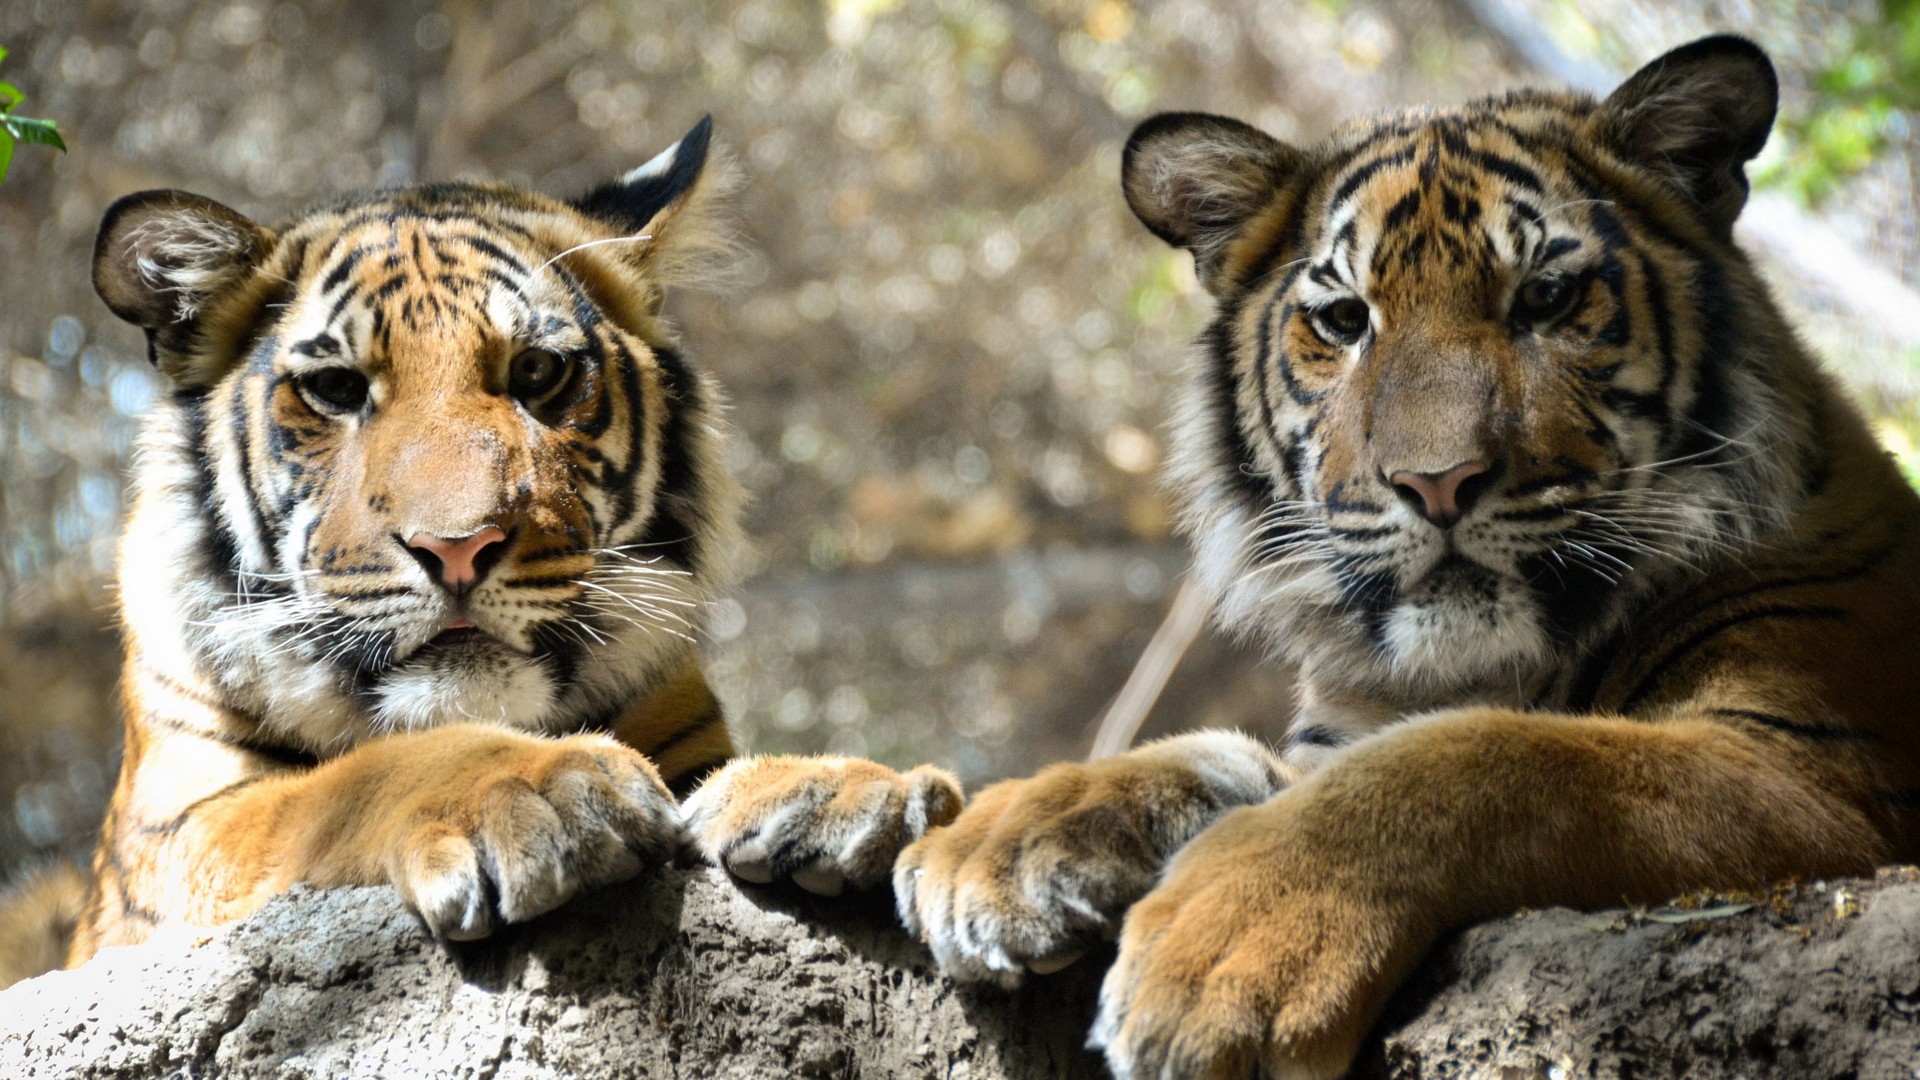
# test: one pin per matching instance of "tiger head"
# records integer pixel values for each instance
(1478, 376)
(427, 454)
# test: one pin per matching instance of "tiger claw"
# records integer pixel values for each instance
(821, 879)
(751, 871)
(1048, 965)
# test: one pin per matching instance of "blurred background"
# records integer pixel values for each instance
(952, 349)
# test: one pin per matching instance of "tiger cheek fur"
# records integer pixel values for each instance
(421, 533)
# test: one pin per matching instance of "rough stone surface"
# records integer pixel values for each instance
(1817, 982)
(689, 976)
(686, 976)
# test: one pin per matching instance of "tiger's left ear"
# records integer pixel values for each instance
(672, 202)
(1696, 116)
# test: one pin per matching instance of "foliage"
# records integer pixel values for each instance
(21, 129)
(1863, 98)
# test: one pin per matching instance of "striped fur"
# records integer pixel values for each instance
(312, 694)
(1665, 635)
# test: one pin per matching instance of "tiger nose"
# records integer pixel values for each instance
(458, 562)
(1443, 497)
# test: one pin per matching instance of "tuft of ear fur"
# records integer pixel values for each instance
(1696, 116)
(672, 204)
(1195, 180)
(161, 257)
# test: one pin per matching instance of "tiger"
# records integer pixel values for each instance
(1599, 589)
(421, 529)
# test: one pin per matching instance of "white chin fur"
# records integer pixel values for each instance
(464, 685)
(1456, 636)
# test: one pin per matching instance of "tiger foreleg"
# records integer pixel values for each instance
(475, 826)
(1276, 937)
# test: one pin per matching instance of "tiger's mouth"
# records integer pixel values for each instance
(458, 635)
(462, 636)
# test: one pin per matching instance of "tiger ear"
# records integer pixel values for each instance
(672, 203)
(1195, 180)
(1696, 116)
(161, 257)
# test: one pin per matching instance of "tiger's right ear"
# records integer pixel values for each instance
(1195, 180)
(162, 256)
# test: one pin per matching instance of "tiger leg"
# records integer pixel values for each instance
(476, 826)
(1035, 870)
(1276, 937)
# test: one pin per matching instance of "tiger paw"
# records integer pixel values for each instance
(1037, 870)
(527, 825)
(826, 823)
(1254, 957)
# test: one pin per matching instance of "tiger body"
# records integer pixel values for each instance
(419, 538)
(1599, 589)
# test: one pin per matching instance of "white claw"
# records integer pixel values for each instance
(821, 878)
(1047, 965)
(754, 871)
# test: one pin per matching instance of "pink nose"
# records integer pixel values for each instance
(1444, 496)
(460, 563)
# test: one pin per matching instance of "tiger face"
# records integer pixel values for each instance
(1459, 403)
(429, 455)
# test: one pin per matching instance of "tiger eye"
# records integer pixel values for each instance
(536, 372)
(1544, 299)
(334, 389)
(1342, 321)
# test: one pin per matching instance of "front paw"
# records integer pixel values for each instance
(824, 822)
(1252, 957)
(1037, 870)
(522, 824)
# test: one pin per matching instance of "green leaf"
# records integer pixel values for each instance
(41, 132)
(6, 152)
(12, 95)
(3, 54)
(1670, 916)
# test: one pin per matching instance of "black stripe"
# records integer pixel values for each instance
(1651, 681)
(693, 729)
(179, 821)
(1236, 459)
(1799, 729)
(239, 425)
(1365, 172)
(287, 756)
(668, 531)
(129, 908)
(217, 543)
(1867, 563)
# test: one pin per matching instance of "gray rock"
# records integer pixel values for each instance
(685, 975)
